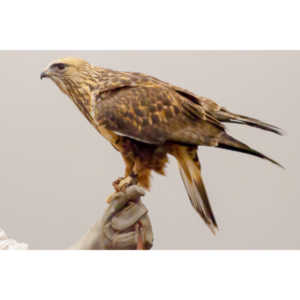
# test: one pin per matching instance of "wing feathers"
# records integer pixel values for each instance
(155, 114)
(228, 142)
(226, 116)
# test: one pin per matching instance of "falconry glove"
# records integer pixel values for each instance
(124, 225)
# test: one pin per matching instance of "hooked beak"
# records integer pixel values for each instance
(44, 74)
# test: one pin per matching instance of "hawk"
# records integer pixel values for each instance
(146, 119)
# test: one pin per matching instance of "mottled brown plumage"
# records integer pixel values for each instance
(146, 119)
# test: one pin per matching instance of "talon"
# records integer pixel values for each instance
(116, 184)
(125, 182)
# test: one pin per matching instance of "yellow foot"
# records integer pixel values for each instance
(123, 182)
(120, 185)
(116, 184)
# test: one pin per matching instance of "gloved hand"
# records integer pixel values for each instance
(125, 224)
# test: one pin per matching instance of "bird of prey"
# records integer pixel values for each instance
(146, 119)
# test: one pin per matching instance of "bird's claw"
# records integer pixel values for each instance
(116, 183)
(122, 183)
(126, 185)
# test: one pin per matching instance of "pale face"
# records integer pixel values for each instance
(63, 70)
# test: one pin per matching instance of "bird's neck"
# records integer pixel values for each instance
(83, 98)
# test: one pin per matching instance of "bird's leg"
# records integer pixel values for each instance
(134, 168)
(126, 182)
(131, 175)
(122, 183)
(129, 164)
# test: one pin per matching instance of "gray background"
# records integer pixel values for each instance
(56, 170)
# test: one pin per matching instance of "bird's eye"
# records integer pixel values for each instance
(59, 66)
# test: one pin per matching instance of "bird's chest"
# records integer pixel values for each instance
(86, 103)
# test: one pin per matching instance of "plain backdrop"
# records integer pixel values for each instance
(56, 170)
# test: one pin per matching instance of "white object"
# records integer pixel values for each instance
(10, 244)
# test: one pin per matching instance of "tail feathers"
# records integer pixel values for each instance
(191, 176)
(226, 116)
(230, 143)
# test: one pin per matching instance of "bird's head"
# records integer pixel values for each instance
(67, 71)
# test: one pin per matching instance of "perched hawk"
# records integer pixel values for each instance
(146, 119)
